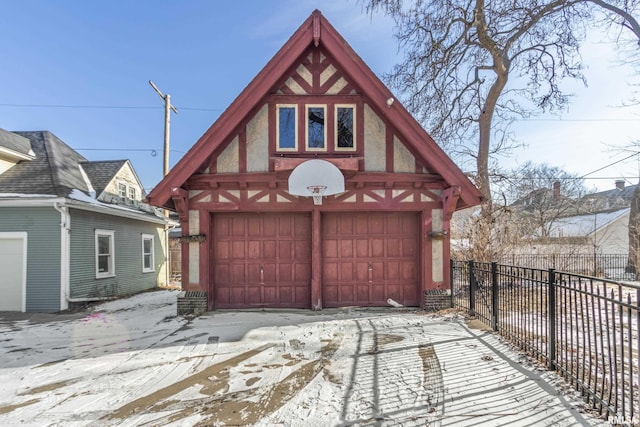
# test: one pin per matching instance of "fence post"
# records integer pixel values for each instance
(494, 296)
(451, 280)
(551, 323)
(472, 290)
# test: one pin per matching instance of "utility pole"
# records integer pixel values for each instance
(167, 116)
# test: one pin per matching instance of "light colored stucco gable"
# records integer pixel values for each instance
(374, 141)
(403, 160)
(258, 142)
(228, 160)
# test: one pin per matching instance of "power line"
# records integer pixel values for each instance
(564, 178)
(134, 107)
(579, 120)
(611, 164)
(105, 107)
(152, 150)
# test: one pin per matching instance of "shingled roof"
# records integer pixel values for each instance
(54, 171)
(16, 143)
(101, 173)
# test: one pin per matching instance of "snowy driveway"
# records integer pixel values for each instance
(131, 362)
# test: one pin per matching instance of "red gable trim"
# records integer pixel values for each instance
(310, 32)
(426, 148)
(229, 119)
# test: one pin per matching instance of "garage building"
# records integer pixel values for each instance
(314, 189)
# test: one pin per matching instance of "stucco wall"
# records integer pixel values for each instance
(194, 248)
(403, 160)
(374, 142)
(437, 249)
(258, 142)
(228, 160)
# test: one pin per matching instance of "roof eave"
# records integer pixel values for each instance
(16, 155)
(430, 153)
(228, 120)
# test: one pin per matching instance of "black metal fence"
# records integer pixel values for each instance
(610, 266)
(583, 327)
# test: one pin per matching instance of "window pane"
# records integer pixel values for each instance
(103, 263)
(287, 127)
(103, 245)
(147, 246)
(147, 262)
(122, 190)
(132, 193)
(345, 127)
(315, 138)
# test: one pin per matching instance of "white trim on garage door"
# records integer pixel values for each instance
(13, 270)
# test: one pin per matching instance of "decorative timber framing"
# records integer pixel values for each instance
(242, 164)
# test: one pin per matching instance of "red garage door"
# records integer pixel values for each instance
(262, 260)
(370, 257)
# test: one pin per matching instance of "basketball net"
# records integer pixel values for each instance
(317, 191)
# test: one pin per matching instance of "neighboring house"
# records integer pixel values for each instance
(618, 197)
(595, 233)
(596, 223)
(316, 121)
(72, 230)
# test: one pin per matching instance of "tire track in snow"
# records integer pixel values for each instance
(395, 376)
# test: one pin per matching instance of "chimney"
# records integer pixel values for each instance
(556, 191)
(620, 184)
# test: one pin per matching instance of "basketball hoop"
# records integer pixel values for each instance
(317, 191)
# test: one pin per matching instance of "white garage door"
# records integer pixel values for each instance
(13, 271)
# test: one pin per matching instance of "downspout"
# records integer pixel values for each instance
(167, 256)
(65, 260)
(65, 253)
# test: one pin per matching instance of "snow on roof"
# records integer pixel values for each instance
(583, 225)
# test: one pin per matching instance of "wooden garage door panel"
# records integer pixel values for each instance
(370, 257)
(261, 260)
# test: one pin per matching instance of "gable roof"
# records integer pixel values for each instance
(54, 170)
(101, 173)
(585, 225)
(316, 30)
(609, 199)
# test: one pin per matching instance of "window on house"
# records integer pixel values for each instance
(122, 190)
(345, 127)
(105, 266)
(316, 135)
(287, 128)
(147, 253)
(132, 193)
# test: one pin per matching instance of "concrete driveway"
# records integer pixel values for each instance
(133, 362)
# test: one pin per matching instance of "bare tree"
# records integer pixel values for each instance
(471, 66)
(541, 194)
(460, 57)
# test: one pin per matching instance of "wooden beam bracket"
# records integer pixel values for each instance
(450, 198)
(180, 198)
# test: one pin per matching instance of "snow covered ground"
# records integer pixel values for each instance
(132, 362)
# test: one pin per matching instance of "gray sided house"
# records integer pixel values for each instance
(71, 230)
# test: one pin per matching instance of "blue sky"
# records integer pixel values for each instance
(81, 55)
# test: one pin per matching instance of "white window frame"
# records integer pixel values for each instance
(295, 127)
(152, 254)
(122, 189)
(306, 127)
(132, 192)
(112, 260)
(335, 115)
